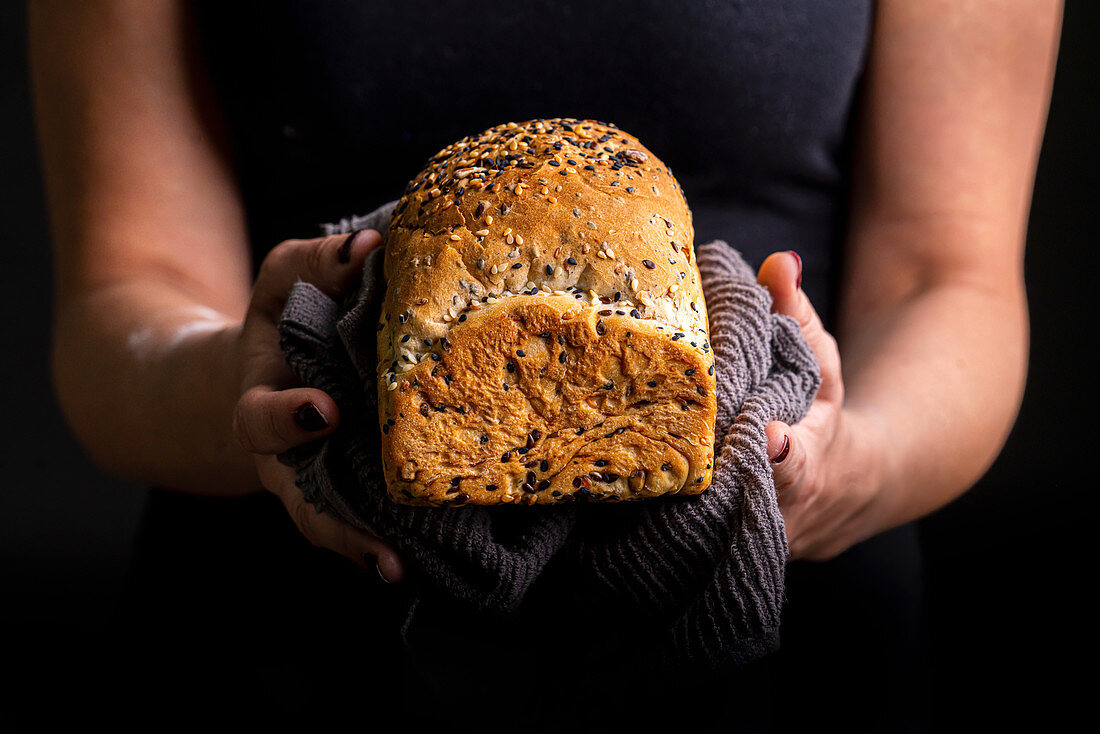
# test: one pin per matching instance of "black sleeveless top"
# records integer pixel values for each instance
(331, 107)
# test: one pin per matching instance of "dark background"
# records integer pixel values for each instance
(1008, 565)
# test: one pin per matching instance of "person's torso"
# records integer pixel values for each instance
(333, 106)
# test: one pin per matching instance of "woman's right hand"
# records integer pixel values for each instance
(275, 413)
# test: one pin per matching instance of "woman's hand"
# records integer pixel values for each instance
(827, 467)
(275, 413)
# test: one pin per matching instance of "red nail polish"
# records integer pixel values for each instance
(798, 280)
(783, 451)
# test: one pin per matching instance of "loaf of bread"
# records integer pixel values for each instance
(543, 335)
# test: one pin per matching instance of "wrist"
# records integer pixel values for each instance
(865, 462)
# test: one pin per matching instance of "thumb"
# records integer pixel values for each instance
(332, 264)
(786, 454)
(781, 274)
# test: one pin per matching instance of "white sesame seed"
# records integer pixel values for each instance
(489, 219)
(673, 288)
(392, 386)
(455, 238)
(634, 285)
(481, 232)
(519, 240)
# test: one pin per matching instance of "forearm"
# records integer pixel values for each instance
(937, 379)
(147, 378)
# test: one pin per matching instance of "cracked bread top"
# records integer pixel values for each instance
(573, 209)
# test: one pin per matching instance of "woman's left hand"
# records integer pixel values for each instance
(827, 467)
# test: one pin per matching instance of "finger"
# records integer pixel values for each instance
(781, 274)
(332, 263)
(268, 421)
(324, 531)
(786, 454)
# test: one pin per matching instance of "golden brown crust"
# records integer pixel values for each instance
(544, 330)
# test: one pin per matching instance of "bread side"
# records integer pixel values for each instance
(544, 333)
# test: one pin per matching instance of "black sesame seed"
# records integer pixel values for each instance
(455, 481)
(652, 383)
(462, 318)
(649, 264)
(491, 488)
(562, 357)
(689, 372)
(523, 450)
(506, 457)
(605, 312)
(600, 328)
(521, 353)
(572, 261)
(701, 391)
(511, 366)
(634, 312)
(544, 465)
(601, 462)
(549, 269)
(665, 467)
(484, 438)
(610, 385)
(580, 431)
(517, 266)
(694, 307)
(531, 477)
(544, 484)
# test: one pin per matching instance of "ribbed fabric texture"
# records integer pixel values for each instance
(700, 578)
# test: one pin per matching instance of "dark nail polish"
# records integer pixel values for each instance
(344, 253)
(783, 451)
(798, 280)
(309, 418)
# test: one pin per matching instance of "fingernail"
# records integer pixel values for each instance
(377, 568)
(783, 451)
(344, 253)
(798, 280)
(309, 418)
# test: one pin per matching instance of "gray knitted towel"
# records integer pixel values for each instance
(687, 580)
